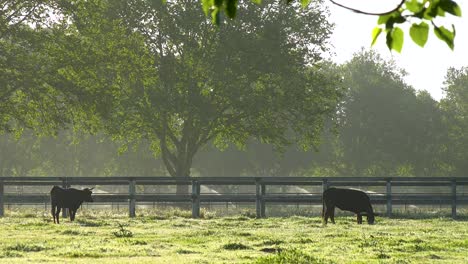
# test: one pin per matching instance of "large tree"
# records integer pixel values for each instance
(165, 73)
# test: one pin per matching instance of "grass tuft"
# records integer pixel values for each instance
(185, 251)
(123, 232)
(26, 247)
(235, 246)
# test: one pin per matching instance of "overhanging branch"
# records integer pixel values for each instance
(368, 13)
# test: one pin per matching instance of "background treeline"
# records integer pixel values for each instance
(383, 127)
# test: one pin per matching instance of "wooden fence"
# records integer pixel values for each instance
(260, 198)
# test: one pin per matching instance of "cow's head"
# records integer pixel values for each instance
(87, 194)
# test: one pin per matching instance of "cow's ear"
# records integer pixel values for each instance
(91, 189)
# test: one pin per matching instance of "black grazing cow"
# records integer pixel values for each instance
(68, 198)
(355, 201)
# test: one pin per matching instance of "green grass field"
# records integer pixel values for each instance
(174, 238)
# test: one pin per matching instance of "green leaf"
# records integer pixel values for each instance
(305, 3)
(399, 19)
(231, 7)
(414, 6)
(215, 16)
(433, 10)
(395, 39)
(383, 19)
(375, 34)
(419, 33)
(390, 19)
(445, 35)
(451, 7)
(206, 5)
(218, 3)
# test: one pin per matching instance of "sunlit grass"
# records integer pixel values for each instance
(172, 237)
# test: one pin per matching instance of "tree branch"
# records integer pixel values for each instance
(369, 13)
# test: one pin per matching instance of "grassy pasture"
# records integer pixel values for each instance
(107, 237)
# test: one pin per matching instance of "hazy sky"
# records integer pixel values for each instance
(426, 66)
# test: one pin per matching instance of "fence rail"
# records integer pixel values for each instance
(261, 196)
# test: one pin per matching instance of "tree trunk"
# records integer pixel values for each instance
(178, 161)
(183, 171)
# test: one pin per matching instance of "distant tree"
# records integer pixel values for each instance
(455, 107)
(386, 125)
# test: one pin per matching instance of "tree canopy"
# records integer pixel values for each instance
(165, 73)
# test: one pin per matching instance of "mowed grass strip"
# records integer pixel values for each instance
(108, 238)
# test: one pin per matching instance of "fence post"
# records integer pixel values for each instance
(324, 185)
(65, 185)
(259, 203)
(2, 200)
(454, 198)
(131, 201)
(389, 197)
(263, 191)
(195, 199)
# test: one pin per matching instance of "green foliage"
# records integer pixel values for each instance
(387, 128)
(445, 35)
(375, 34)
(182, 90)
(455, 107)
(419, 33)
(395, 39)
(426, 11)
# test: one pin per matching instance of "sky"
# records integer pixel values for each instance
(426, 66)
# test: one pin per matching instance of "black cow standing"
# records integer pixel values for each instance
(68, 198)
(355, 201)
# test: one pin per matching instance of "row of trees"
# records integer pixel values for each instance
(384, 127)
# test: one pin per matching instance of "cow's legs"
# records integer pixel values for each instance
(328, 213)
(57, 214)
(324, 213)
(72, 214)
(52, 210)
(325, 216)
(332, 214)
(370, 215)
(359, 218)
